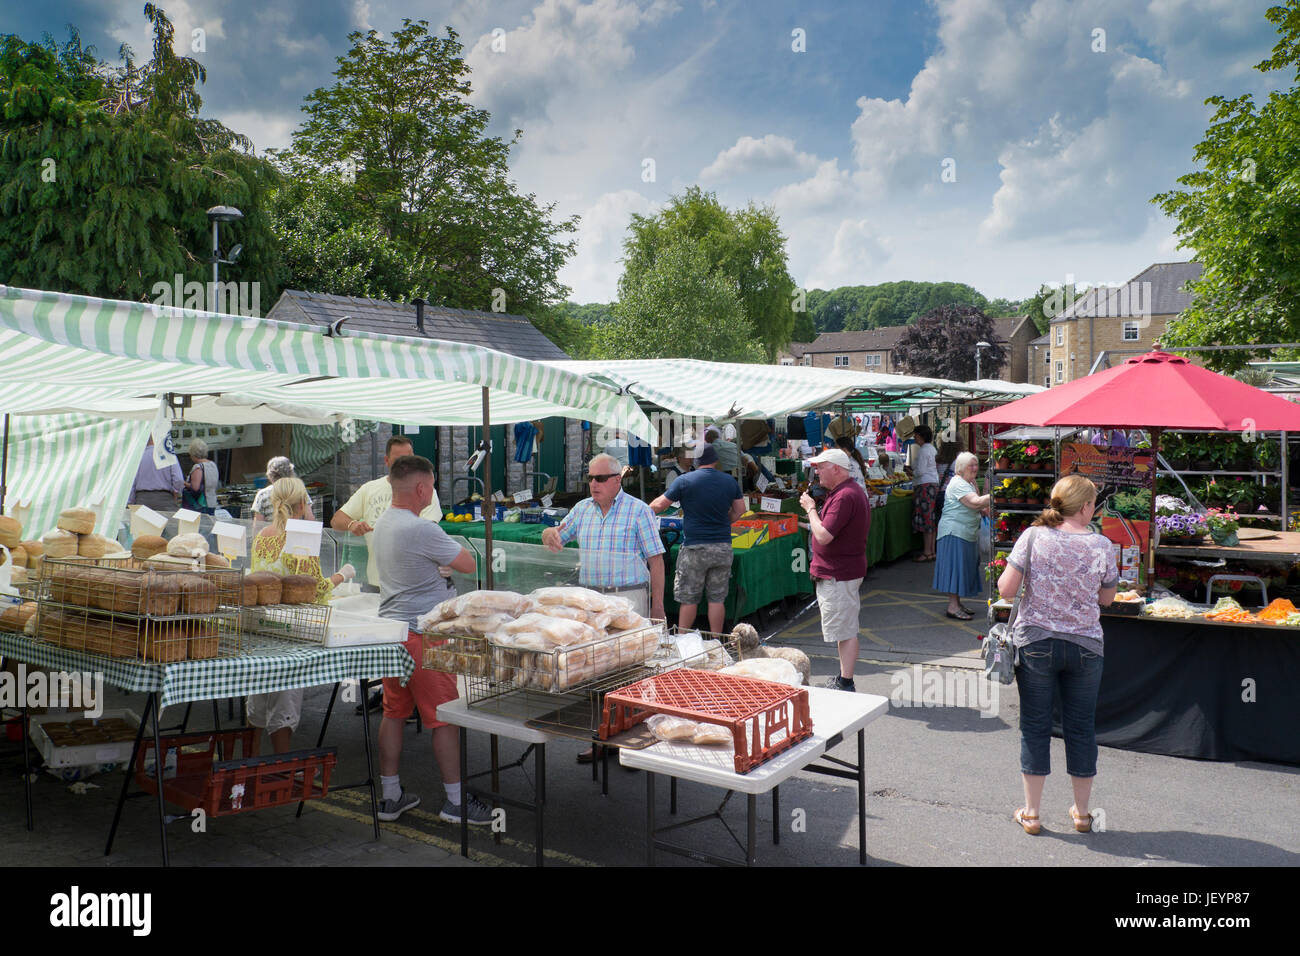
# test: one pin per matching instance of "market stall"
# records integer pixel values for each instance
(1182, 678)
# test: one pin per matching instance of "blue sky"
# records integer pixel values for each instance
(1056, 120)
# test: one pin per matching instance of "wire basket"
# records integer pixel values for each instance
(293, 622)
(114, 607)
(458, 654)
(610, 661)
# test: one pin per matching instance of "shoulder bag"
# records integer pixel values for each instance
(998, 652)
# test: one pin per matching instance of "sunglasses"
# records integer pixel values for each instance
(600, 477)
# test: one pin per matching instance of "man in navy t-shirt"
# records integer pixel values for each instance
(711, 501)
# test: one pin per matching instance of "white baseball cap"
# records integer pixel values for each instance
(833, 456)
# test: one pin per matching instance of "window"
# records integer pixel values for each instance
(787, 361)
(1130, 331)
(1060, 335)
(1060, 371)
(873, 361)
(841, 361)
(807, 360)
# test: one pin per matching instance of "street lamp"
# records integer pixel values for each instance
(216, 216)
(978, 347)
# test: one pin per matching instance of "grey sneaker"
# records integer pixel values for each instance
(480, 814)
(839, 683)
(390, 810)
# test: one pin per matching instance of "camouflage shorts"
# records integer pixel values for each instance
(702, 568)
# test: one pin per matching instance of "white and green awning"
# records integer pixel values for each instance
(112, 351)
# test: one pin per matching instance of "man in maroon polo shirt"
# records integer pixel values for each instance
(839, 562)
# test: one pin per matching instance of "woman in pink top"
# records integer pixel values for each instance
(1071, 573)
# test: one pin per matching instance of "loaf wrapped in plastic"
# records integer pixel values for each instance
(670, 727)
(481, 603)
(774, 669)
(561, 632)
(583, 598)
(706, 733)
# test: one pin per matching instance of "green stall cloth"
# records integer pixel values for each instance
(876, 537)
(900, 539)
(501, 531)
(759, 576)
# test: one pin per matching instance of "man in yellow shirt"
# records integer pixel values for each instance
(372, 499)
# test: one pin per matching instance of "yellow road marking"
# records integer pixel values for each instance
(420, 836)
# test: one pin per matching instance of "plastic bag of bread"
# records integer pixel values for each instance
(489, 602)
(59, 544)
(558, 630)
(669, 727)
(187, 546)
(583, 598)
(559, 610)
(707, 734)
(775, 669)
(529, 640)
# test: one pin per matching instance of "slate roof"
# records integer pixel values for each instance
(512, 334)
(1164, 298)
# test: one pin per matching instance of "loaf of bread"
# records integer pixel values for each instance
(96, 546)
(59, 544)
(297, 589)
(198, 594)
(11, 531)
(166, 641)
(215, 561)
(18, 555)
(187, 546)
(267, 584)
(160, 594)
(147, 545)
(489, 602)
(15, 617)
(584, 598)
(77, 520)
(204, 640)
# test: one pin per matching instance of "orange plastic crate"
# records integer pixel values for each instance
(764, 718)
(209, 776)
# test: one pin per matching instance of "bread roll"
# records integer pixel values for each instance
(59, 544)
(147, 545)
(11, 532)
(198, 594)
(187, 546)
(215, 561)
(77, 520)
(18, 555)
(96, 546)
(297, 589)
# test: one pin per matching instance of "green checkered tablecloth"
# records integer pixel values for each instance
(268, 665)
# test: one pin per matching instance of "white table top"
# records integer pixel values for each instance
(833, 712)
(503, 716)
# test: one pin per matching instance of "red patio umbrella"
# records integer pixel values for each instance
(1153, 391)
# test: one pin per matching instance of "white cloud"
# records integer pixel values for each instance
(266, 130)
(827, 190)
(856, 254)
(595, 270)
(750, 155)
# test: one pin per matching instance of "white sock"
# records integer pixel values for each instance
(453, 793)
(392, 787)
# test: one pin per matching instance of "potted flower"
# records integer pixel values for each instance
(1033, 492)
(1002, 459)
(1180, 528)
(1016, 492)
(998, 564)
(1034, 458)
(1223, 527)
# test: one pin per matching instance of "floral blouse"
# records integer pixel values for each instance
(1065, 573)
(268, 555)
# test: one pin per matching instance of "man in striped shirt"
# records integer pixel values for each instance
(619, 538)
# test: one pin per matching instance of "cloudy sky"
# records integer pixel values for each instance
(1002, 143)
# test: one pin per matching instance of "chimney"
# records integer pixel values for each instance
(419, 314)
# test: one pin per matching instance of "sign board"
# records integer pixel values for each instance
(187, 521)
(548, 500)
(522, 496)
(302, 538)
(1108, 465)
(771, 504)
(232, 539)
(761, 483)
(145, 521)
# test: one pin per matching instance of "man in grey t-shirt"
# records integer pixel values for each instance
(415, 558)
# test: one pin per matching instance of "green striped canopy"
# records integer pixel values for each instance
(113, 351)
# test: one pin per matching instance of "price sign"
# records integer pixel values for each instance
(302, 538)
(761, 483)
(548, 500)
(771, 504)
(522, 496)
(498, 496)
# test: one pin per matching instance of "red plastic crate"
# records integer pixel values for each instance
(209, 776)
(755, 711)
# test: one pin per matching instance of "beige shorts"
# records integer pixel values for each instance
(276, 710)
(840, 606)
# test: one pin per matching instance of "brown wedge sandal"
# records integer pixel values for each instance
(1082, 821)
(1031, 824)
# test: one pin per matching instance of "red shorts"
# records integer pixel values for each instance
(425, 689)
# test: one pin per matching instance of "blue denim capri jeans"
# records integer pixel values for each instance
(1047, 667)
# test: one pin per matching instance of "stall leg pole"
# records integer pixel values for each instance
(751, 828)
(862, 797)
(539, 766)
(495, 746)
(464, 792)
(1151, 527)
(320, 738)
(159, 759)
(130, 769)
(650, 818)
(27, 763)
(4, 465)
(776, 816)
(672, 795)
(489, 506)
(1284, 508)
(370, 757)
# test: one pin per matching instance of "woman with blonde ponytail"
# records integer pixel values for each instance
(278, 713)
(1057, 633)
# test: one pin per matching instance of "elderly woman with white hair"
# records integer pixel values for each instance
(956, 568)
(200, 491)
(262, 510)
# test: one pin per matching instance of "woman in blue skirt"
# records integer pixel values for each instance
(956, 567)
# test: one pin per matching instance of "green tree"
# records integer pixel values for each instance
(1240, 214)
(745, 248)
(107, 173)
(941, 344)
(399, 122)
(679, 306)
